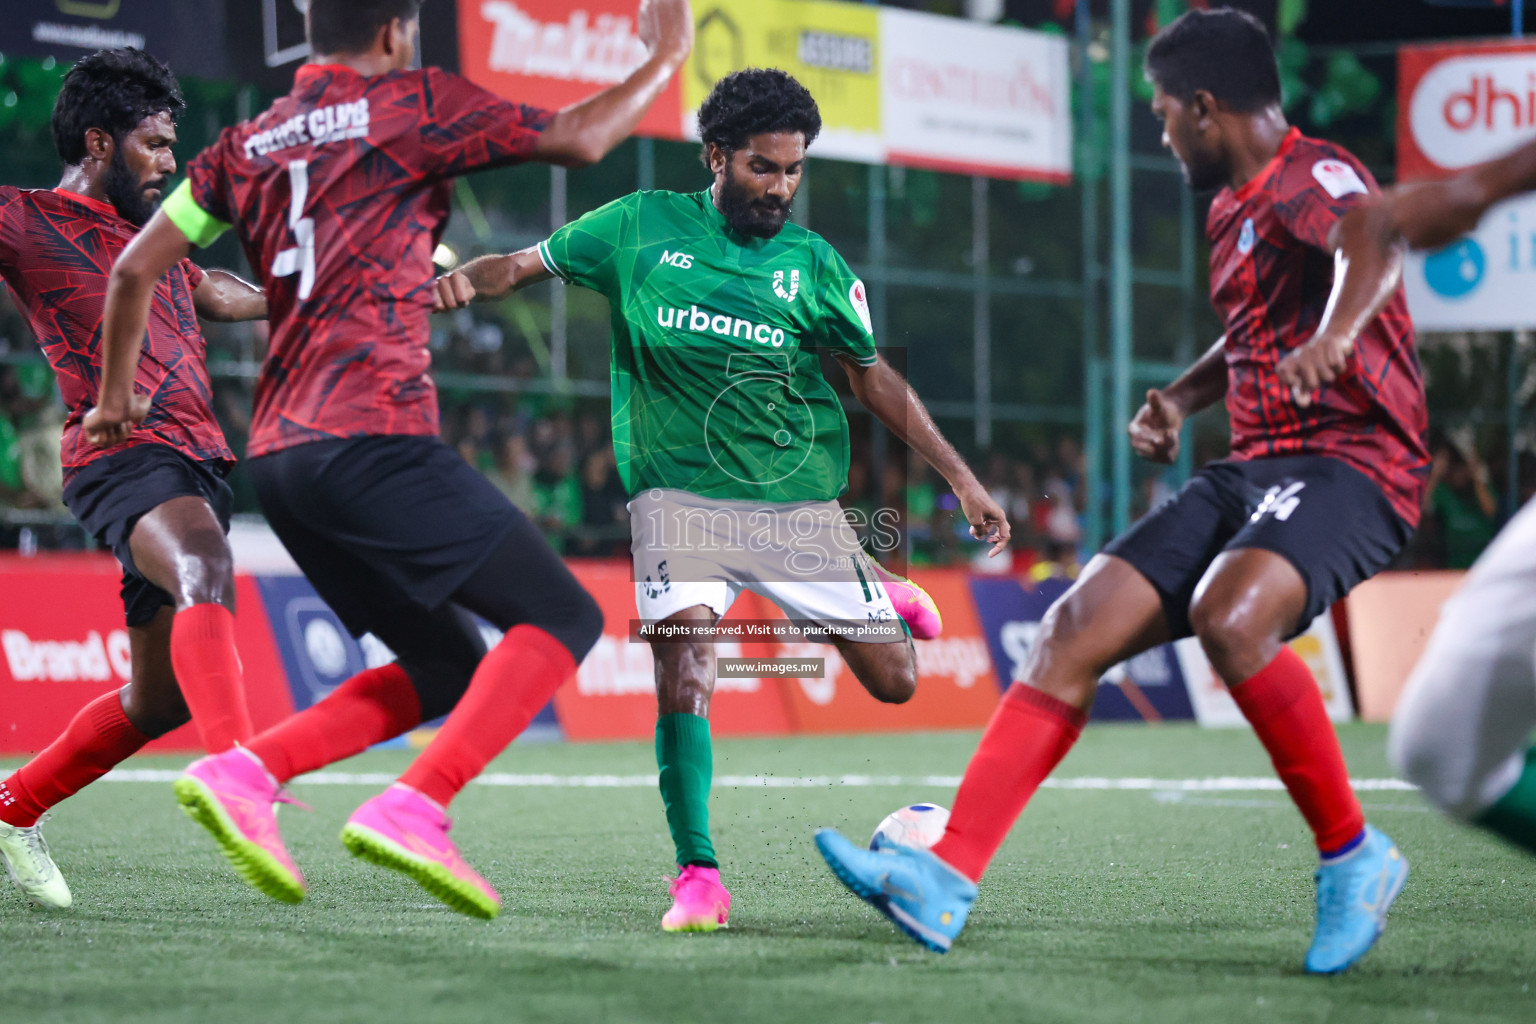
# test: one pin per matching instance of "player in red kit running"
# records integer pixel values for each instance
(156, 497)
(339, 192)
(1321, 490)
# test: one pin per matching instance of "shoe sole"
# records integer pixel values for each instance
(881, 902)
(366, 844)
(708, 924)
(258, 868)
(1381, 922)
(34, 898)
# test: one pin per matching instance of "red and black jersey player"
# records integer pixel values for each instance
(1320, 491)
(339, 192)
(157, 497)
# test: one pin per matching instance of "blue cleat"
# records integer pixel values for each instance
(924, 897)
(1353, 896)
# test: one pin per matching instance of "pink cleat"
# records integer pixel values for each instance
(404, 831)
(699, 902)
(232, 796)
(913, 604)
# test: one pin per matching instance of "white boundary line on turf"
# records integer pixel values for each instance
(1222, 784)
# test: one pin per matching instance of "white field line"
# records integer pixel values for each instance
(1223, 784)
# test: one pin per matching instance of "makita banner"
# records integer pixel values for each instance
(1460, 105)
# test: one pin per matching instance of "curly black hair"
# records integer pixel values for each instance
(756, 100)
(112, 90)
(1224, 51)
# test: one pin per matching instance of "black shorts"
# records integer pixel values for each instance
(110, 495)
(1323, 516)
(385, 527)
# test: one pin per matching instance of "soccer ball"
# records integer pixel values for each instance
(916, 827)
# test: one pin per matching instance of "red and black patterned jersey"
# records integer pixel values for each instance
(56, 251)
(339, 194)
(1271, 275)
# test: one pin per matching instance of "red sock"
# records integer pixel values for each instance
(98, 738)
(513, 682)
(375, 705)
(208, 671)
(1285, 708)
(1029, 734)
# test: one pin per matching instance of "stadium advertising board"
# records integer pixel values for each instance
(1391, 617)
(957, 96)
(1460, 105)
(1149, 687)
(893, 86)
(63, 643)
(551, 53)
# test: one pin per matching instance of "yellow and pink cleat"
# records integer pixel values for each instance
(699, 902)
(232, 795)
(404, 831)
(914, 604)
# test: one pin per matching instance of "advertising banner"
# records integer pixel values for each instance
(1149, 687)
(893, 86)
(1460, 105)
(176, 31)
(1391, 617)
(954, 675)
(63, 643)
(975, 99)
(830, 48)
(551, 53)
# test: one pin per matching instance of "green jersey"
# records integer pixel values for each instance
(717, 389)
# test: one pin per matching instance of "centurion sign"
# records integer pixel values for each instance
(1460, 105)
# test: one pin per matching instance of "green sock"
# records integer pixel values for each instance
(687, 764)
(1514, 816)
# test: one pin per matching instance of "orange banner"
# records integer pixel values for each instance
(552, 53)
(1390, 620)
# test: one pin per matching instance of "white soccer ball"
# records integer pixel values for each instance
(916, 827)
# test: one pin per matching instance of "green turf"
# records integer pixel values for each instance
(1102, 907)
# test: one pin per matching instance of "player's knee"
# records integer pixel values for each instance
(208, 576)
(574, 619)
(1065, 653)
(154, 714)
(1225, 630)
(898, 684)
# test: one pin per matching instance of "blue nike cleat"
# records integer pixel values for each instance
(924, 897)
(1353, 896)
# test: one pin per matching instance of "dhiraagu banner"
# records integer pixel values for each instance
(832, 48)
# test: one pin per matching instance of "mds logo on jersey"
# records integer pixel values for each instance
(681, 260)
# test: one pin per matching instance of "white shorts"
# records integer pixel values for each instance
(1465, 718)
(802, 556)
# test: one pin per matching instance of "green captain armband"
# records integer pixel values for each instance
(200, 227)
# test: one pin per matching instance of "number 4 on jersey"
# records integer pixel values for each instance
(301, 258)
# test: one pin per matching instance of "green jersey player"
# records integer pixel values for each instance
(731, 443)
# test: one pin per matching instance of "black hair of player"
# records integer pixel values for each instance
(112, 90)
(1225, 52)
(348, 26)
(753, 101)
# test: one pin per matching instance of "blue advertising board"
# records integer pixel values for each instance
(1149, 687)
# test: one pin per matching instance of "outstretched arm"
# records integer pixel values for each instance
(884, 392)
(490, 277)
(1430, 214)
(1154, 429)
(157, 248)
(228, 298)
(585, 132)
(1365, 274)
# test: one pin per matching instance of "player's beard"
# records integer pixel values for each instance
(126, 192)
(760, 217)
